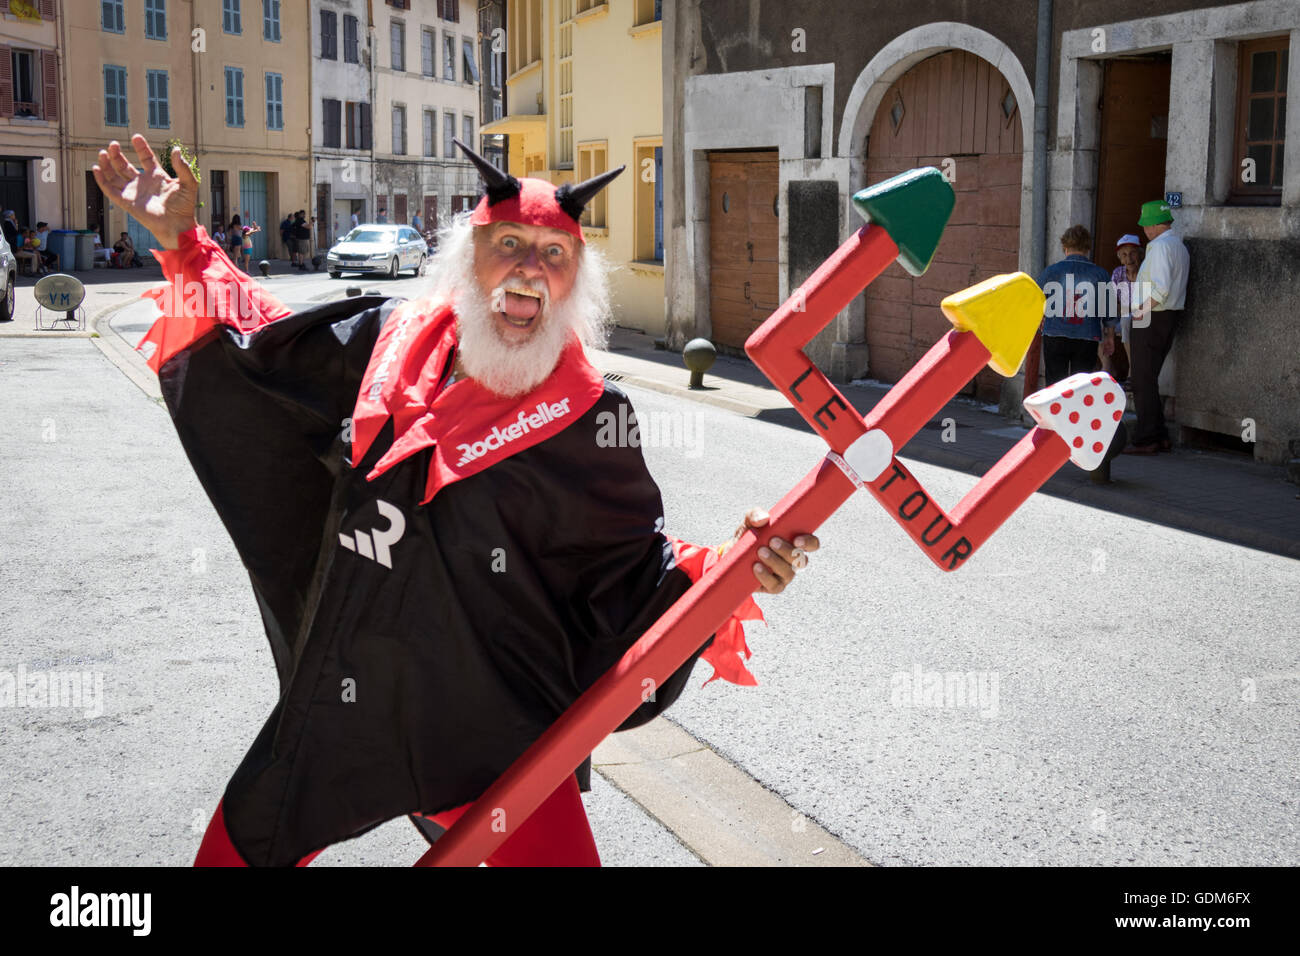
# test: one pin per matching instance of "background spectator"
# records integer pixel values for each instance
(1075, 315)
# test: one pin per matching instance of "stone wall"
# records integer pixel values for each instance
(1238, 351)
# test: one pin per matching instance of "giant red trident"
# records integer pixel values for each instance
(993, 322)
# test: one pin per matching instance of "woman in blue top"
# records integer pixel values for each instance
(1076, 317)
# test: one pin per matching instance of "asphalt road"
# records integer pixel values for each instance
(1147, 681)
(1129, 692)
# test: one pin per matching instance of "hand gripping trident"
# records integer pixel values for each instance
(994, 323)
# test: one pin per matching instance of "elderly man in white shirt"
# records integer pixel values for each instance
(1162, 288)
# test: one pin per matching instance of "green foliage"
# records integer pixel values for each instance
(191, 160)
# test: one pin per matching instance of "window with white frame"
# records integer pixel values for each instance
(467, 130)
(1261, 119)
(448, 134)
(234, 96)
(156, 84)
(397, 40)
(592, 162)
(428, 51)
(274, 101)
(648, 11)
(430, 129)
(399, 130)
(111, 16)
(469, 69)
(115, 96)
(231, 14)
(449, 56)
(271, 20)
(648, 206)
(155, 19)
(564, 156)
(26, 82)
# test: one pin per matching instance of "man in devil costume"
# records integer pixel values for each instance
(443, 554)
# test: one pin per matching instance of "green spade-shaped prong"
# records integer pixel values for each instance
(913, 207)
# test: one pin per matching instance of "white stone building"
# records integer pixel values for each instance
(426, 84)
(341, 116)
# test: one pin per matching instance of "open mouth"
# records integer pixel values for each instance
(520, 306)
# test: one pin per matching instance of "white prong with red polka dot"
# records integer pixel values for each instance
(1084, 409)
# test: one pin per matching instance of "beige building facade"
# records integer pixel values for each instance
(584, 87)
(226, 78)
(426, 81)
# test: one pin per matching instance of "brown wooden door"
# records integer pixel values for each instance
(430, 212)
(399, 208)
(743, 239)
(951, 111)
(1134, 140)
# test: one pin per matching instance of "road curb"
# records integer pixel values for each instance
(119, 352)
(714, 808)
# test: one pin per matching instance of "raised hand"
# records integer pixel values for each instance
(161, 203)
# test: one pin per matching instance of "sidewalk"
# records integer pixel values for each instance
(1214, 494)
(106, 290)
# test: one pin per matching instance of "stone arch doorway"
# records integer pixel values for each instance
(871, 96)
(955, 111)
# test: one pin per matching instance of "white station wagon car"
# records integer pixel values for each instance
(378, 247)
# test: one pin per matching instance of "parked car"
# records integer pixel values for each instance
(378, 247)
(9, 272)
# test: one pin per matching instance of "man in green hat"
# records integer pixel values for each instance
(1161, 289)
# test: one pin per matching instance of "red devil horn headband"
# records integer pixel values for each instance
(533, 202)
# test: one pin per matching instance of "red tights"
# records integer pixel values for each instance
(557, 834)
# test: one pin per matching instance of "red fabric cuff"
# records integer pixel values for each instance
(728, 646)
(204, 290)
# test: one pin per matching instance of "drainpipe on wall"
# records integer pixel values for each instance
(1042, 69)
(310, 187)
(65, 164)
(195, 81)
(1011, 395)
(370, 39)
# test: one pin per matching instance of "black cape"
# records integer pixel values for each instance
(410, 688)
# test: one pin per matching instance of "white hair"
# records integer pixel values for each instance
(507, 369)
(452, 271)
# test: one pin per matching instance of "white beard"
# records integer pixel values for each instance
(510, 370)
(513, 370)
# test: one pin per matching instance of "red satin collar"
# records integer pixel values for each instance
(469, 427)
